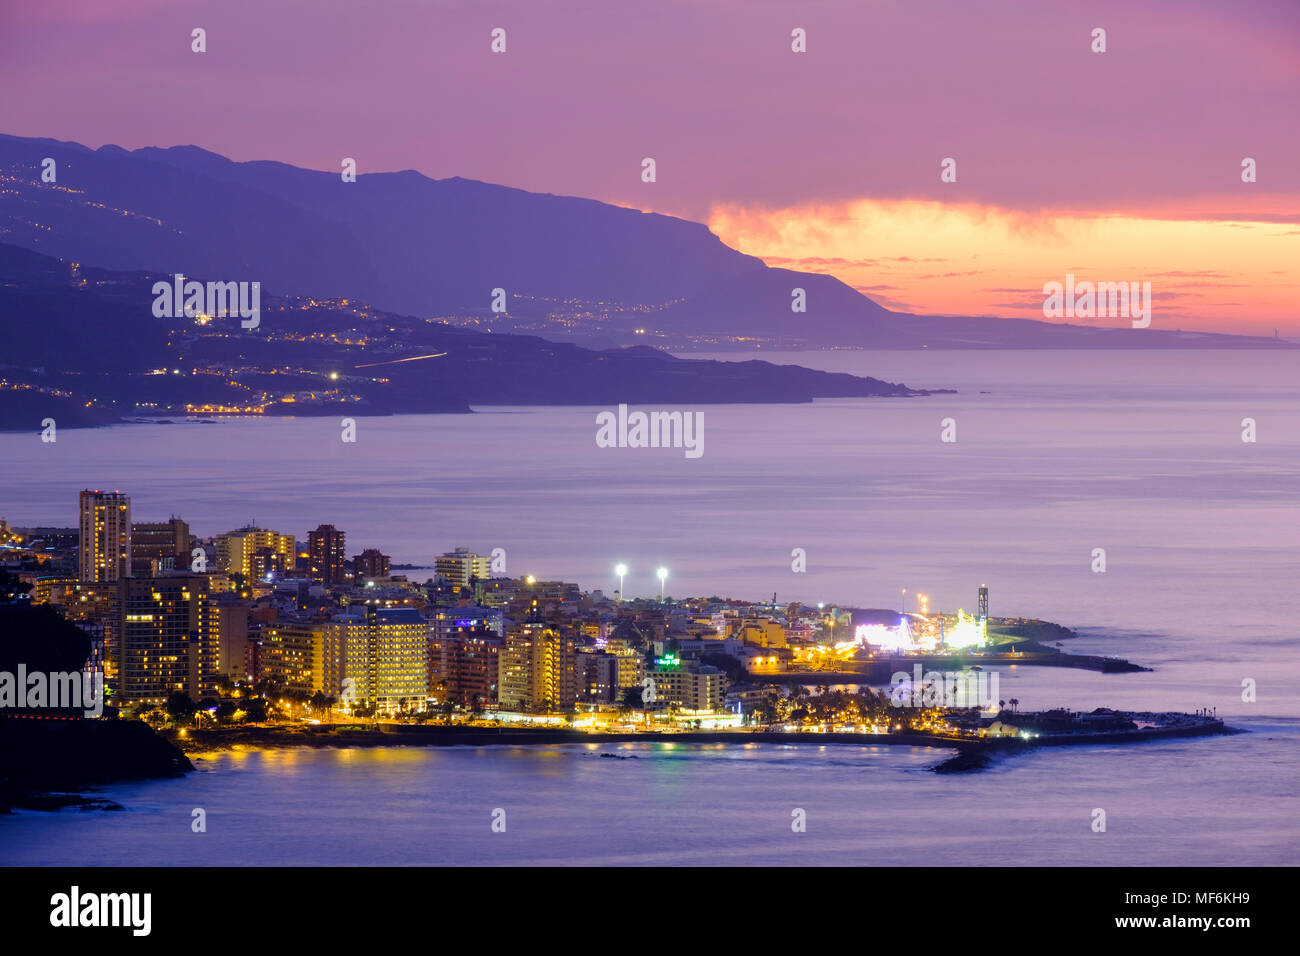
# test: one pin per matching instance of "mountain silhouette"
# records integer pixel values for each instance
(85, 348)
(570, 268)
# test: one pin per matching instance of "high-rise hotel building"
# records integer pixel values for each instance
(464, 655)
(105, 542)
(459, 566)
(160, 546)
(371, 564)
(379, 656)
(293, 653)
(170, 640)
(325, 551)
(237, 551)
(537, 668)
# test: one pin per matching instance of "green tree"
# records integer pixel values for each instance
(180, 707)
(255, 710)
(632, 698)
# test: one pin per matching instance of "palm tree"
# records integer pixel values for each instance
(181, 707)
(319, 702)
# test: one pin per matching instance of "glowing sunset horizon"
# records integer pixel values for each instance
(944, 259)
(1118, 160)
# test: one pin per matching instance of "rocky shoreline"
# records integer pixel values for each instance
(47, 763)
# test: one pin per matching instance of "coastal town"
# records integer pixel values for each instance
(255, 628)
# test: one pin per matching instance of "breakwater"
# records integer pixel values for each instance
(968, 747)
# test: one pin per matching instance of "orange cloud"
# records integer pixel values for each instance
(1244, 272)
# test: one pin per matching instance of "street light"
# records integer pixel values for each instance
(904, 600)
(620, 570)
(663, 576)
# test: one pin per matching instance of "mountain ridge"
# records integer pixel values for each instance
(85, 347)
(571, 268)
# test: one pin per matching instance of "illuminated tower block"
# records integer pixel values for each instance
(170, 639)
(105, 542)
(326, 545)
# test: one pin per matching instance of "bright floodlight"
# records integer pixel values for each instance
(663, 576)
(620, 570)
(663, 573)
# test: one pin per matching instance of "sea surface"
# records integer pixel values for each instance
(1057, 454)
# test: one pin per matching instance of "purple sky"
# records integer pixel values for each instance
(711, 90)
(1067, 159)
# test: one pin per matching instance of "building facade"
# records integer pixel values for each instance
(464, 652)
(104, 546)
(464, 667)
(237, 550)
(596, 677)
(293, 654)
(169, 639)
(159, 546)
(461, 566)
(371, 564)
(537, 671)
(326, 549)
(700, 689)
(377, 656)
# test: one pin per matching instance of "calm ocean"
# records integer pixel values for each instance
(1057, 454)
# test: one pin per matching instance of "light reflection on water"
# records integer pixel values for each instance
(1057, 454)
(1185, 802)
